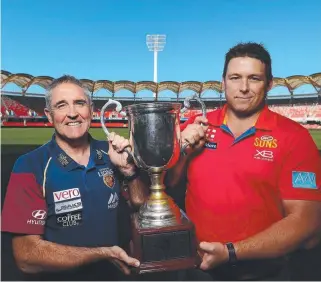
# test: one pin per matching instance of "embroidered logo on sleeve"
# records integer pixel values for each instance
(39, 217)
(302, 179)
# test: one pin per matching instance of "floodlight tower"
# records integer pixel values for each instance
(155, 43)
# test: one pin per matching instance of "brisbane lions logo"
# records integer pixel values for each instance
(107, 175)
(109, 180)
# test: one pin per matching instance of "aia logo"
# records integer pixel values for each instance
(302, 179)
(39, 214)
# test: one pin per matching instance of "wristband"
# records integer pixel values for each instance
(132, 177)
(232, 259)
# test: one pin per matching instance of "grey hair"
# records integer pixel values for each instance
(61, 80)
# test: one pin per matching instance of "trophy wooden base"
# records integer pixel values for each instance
(164, 248)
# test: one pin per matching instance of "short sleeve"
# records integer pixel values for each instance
(300, 175)
(24, 210)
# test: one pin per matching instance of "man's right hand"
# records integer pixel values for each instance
(120, 258)
(194, 134)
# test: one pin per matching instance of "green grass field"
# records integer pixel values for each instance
(35, 136)
(39, 136)
(316, 134)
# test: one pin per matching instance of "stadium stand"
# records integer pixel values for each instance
(299, 113)
(11, 107)
(304, 114)
(15, 109)
(308, 115)
(26, 109)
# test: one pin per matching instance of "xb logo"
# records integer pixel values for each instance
(39, 214)
(264, 154)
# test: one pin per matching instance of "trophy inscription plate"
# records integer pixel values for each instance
(164, 248)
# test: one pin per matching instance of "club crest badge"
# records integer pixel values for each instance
(210, 139)
(108, 177)
(210, 134)
(109, 180)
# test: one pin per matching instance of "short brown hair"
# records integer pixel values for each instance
(252, 50)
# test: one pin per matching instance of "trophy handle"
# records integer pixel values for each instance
(187, 106)
(102, 113)
(119, 107)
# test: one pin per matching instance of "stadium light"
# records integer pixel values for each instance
(155, 43)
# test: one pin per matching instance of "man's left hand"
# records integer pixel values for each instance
(213, 254)
(118, 156)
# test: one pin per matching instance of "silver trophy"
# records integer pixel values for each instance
(154, 136)
(162, 235)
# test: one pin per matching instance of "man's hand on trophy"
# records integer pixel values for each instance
(201, 120)
(121, 259)
(118, 154)
(213, 254)
(194, 135)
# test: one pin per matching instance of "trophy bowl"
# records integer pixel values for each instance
(154, 136)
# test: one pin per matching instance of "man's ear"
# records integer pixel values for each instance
(269, 86)
(48, 114)
(92, 110)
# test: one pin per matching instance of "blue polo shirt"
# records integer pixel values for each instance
(70, 204)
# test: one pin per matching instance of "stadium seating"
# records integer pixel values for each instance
(28, 108)
(108, 114)
(10, 107)
(300, 113)
(312, 126)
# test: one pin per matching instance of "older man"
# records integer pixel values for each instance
(63, 199)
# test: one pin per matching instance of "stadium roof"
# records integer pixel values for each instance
(24, 81)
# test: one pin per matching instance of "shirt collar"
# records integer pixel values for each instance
(219, 119)
(266, 120)
(65, 161)
(96, 154)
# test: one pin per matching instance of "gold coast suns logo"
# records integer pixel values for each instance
(265, 141)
